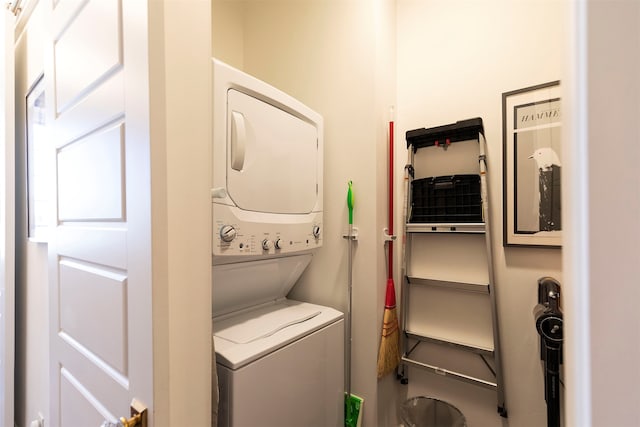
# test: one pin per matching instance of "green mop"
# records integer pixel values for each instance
(352, 403)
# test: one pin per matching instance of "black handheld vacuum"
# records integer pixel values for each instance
(548, 318)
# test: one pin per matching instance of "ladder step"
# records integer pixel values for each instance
(446, 227)
(448, 373)
(482, 288)
(461, 346)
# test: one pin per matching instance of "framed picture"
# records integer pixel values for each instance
(532, 166)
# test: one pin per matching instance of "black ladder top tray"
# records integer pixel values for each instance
(462, 130)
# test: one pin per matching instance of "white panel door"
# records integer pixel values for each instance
(101, 291)
(7, 223)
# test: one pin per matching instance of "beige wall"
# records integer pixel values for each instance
(180, 134)
(340, 59)
(336, 57)
(32, 292)
(491, 48)
(454, 62)
(603, 254)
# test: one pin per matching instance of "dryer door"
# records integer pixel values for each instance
(272, 157)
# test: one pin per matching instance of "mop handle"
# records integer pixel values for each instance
(349, 285)
(348, 349)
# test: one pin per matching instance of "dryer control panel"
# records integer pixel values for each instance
(234, 237)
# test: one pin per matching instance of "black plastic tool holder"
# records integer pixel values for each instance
(462, 130)
(445, 199)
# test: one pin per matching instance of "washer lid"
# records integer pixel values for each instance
(242, 338)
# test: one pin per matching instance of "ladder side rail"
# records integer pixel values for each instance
(406, 254)
(494, 306)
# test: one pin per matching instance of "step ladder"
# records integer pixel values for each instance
(449, 312)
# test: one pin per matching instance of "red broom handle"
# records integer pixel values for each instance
(390, 230)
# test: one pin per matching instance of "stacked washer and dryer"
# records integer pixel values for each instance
(279, 362)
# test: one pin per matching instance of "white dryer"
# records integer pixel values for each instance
(279, 362)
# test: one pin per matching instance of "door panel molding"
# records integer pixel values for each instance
(104, 244)
(93, 39)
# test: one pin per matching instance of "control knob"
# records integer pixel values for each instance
(266, 244)
(316, 231)
(279, 244)
(228, 233)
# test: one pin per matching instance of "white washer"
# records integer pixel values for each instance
(279, 362)
(293, 377)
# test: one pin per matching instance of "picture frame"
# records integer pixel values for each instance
(532, 166)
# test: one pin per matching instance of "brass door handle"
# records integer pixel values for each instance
(138, 417)
(134, 421)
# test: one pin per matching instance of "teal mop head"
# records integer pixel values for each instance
(352, 409)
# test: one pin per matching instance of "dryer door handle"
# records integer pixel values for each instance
(238, 140)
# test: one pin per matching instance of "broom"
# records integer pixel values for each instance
(389, 353)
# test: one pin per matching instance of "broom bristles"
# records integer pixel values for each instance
(389, 354)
